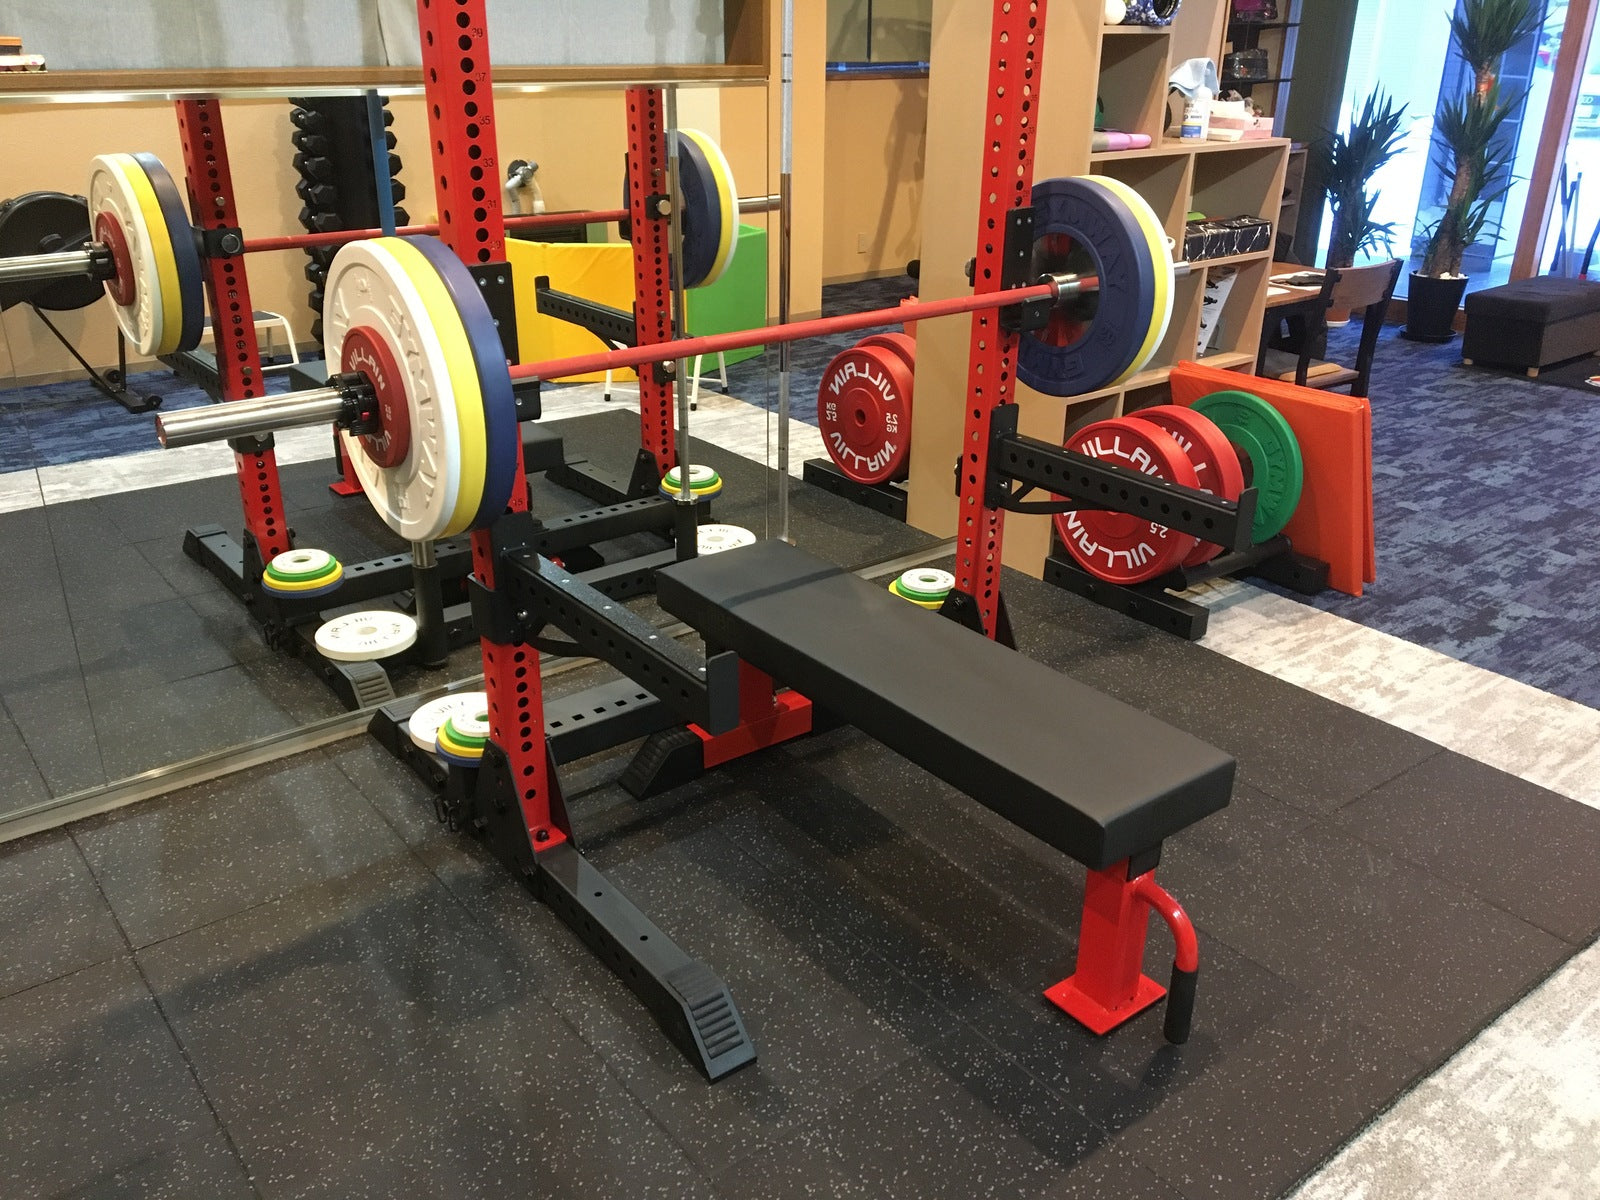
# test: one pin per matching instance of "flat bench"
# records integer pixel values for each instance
(1086, 774)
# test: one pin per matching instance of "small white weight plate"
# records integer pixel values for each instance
(474, 722)
(368, 287)
(927, 580)
(714, 539)
(699, 476)
(300, 563)
(366, 636)
(423, 728)
(111, 192)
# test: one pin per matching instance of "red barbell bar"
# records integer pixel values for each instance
(1055, 288)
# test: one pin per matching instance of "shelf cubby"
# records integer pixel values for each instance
(1163, 180)
(1245, 180)
(1132, 84)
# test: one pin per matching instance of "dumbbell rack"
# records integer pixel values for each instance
(432, 587)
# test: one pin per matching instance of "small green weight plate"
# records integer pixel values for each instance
(300, 565)
(926, 583)
(1269, 452)
(461, 737)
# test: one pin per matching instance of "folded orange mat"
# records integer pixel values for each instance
(1334, 519)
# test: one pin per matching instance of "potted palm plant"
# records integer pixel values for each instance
(1473, 157)
(1347, 161)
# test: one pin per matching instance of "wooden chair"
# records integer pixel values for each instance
(1363, 290)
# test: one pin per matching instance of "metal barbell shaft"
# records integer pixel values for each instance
(31, 268)
(250, 418)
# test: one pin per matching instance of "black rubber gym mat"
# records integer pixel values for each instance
(369, 1005)
(121, 654)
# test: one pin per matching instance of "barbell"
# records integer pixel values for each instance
(149, 257)
(422, 393)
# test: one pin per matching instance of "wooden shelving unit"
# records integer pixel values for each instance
(1126, 68)
(1278, 39)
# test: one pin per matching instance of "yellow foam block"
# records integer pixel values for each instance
(600, 272)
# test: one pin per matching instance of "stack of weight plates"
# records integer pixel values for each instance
(445, 460)
(302, 574)
(1226, 442)
(925, 587)
(703, 483)
(137, 212)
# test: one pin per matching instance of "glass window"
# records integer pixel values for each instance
(1575, 216)
(879, 31)
(1406, 48)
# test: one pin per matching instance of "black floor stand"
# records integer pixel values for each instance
(1155, 604)
(886, 498)
(113, 383)
(691, 1004)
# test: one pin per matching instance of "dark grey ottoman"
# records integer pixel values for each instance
(1532, 323)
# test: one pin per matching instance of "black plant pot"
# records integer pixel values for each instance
(1431, 306)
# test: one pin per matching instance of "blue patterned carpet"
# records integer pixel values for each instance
(55, 423)
(1485, 493)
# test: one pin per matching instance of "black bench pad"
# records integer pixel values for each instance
(1087, 774)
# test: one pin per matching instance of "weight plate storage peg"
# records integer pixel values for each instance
(703, 482)
(366, 636)
(714, 539)
(1119, 547)
(423, 727)
(864, 410)
(1211, 455)
(1268, 451)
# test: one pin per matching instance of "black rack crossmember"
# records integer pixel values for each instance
(1089, 483)
(606, 323)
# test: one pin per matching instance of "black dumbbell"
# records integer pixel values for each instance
(318, 195)
(320, 169)
(401, 216)
(319, 221)
(322, 255)
(311, 143)
(394, 165)
(316, 273)
(316, 330)
(397, 190)
(316, 299)
(308, 119)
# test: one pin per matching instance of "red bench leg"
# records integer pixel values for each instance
(766, 717)
(1109, 985)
